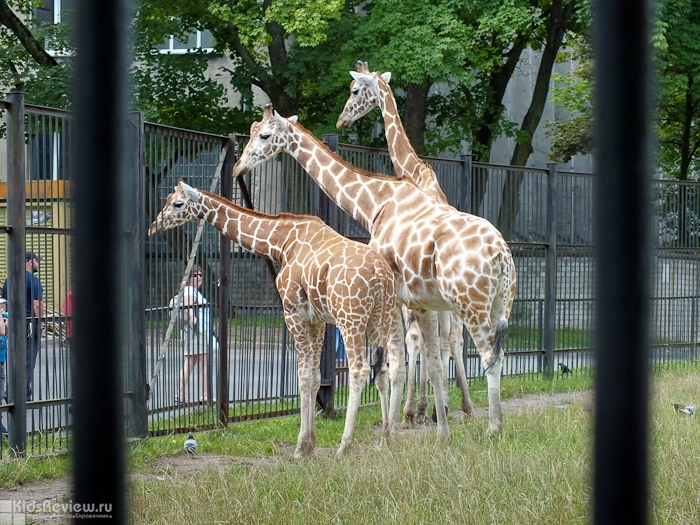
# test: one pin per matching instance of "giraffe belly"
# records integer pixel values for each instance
(422, 297)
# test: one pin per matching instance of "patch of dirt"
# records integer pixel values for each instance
(59, 490)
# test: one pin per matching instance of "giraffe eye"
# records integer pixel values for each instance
(355, 91)
(179, 204)
(265, 135)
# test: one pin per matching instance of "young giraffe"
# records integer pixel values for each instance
(442, 259)
(367, 91)
(323, 278)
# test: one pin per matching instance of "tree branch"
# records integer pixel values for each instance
(25, 37)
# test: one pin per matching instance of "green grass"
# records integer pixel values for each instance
(535, 471)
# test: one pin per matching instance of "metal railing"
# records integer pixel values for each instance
(545, 214)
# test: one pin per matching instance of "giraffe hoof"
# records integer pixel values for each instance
(408, 422)
(433, 416)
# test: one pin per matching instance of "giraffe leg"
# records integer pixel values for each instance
(413, 346)
(358, 370)
(308, 346)
(397, 370)
(493, 380)
(422, 406)
(457, 351)
(444, 341)
(488, 339)
(428, 323)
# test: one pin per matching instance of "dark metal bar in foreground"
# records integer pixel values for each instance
(99, 100)
(621, 45)
(16, 288)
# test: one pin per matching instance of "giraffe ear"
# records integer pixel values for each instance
(189, 191)
(363, 78)
(293, 118)
(386, 76)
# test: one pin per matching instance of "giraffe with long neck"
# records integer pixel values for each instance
(367, 91)
(442, 259)
(323, 278)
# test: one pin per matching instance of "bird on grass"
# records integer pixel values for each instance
(565, 369)
(191, 445)
(686, 409)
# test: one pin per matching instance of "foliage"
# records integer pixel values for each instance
(573, 92)
(42, 85)
(175, 90)
(676, 42)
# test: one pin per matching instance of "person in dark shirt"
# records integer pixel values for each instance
(35, 314)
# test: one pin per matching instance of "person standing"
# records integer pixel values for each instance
(35, 314)
(196, 337)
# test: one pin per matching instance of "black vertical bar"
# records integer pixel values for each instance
(224, 285)
(135, 281)
(99, 100)
(550, 272)
(16, 293)
(621, 45)
(465, 203)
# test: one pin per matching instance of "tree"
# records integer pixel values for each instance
(573, 92)
(25, 65)
(561, 18)
(677, 58)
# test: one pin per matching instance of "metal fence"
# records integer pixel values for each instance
(546, 216)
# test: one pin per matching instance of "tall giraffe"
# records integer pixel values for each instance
(323, 278)
(367, 91)
(442, 259)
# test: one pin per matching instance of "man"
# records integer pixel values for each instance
(35, 312)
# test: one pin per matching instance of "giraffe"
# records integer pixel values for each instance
(442, 259)
(367, 91)
(323, 278)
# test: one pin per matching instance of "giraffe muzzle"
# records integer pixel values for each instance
(343, 123)
(239, 169)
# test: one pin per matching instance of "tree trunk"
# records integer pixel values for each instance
(559, 18)
(416, 111)
(482, 139)
(281, 101)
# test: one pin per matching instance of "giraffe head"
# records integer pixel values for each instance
(364, 95)
(267, 139)
(180, 207)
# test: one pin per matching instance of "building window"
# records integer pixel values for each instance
(196, 40)
(55, 11)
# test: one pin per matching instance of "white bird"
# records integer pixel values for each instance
(191, 445)
(686, 409)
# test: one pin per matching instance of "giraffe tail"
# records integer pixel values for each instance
(378, 362)
(500, 337)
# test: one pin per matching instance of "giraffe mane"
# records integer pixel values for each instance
(348, 165)
(259, 214)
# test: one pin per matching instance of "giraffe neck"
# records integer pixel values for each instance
(262, 234)
(400, 149)
(361, 195)
(403, 156)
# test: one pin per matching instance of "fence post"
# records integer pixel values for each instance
(329, 214)
(550, 271)
(16, 293)
(465, 184)
(136, 348)
(224, 283)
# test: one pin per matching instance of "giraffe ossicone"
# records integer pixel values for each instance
(442, 259)
(323, 278)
